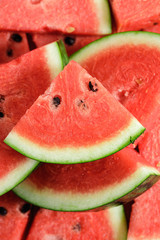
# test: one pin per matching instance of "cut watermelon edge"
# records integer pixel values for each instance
(58, 60)
(104, 16)
(128, 189)
(118, 222)
(131, 37)
(17, 175)
(71, 155)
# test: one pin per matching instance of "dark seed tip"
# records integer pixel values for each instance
(69, 40)
(9, 52)
(25, 208)
(16, 37)
(3, 211)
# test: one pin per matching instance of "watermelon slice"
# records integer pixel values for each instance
(75, 120)
(127, 64)
(72, 42)
(145, 216)
(12, 45)
(51, 15)
(117, 178)
(21, 82)
(108, 224)
(14, 213)
(135, 15)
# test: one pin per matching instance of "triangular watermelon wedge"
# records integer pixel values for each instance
(108, 224)
(75, 120)
(21, 82)
(118, 178)
(78, 17)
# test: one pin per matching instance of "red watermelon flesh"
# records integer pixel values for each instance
(117, 178)
(108, 224)
(72, 42)
(21, 82)
(155, 28)
(83, 17)
(135, 15)
(12, 45)
(127, 64)
(145, 216)
(14, 213)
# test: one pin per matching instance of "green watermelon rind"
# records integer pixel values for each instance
(76, 155)
(123, 192)
(116, 40)
(63, 53)
(58, 60)
(17, 175)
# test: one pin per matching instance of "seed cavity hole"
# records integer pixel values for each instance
(70, 41)
(16, 37)
(92, 87)
(25, 208)
(56, 101)
(77, 227)
(3, 211)
(82, 104)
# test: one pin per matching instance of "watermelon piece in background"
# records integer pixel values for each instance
(135, 15)
(12, 45)
(107, 224)
(14, 215)
(80, 121)
(72, 42)
(127, 64)
(145, 215)
(80, 17)
(116, 179)
(21, 82)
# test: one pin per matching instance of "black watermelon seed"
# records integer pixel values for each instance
(3, 211)
(155, 23)
(9, 52)
(56, 101)
(77, 227)
(69, 40)
(16, 37)
(1, 114)
(91, 87)
(25, 208)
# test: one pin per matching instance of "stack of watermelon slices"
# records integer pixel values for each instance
(98, 178)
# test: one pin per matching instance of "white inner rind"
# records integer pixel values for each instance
(115, 41)
(118, 222)
(17, 175)
(104, 16)
(54, 59)
(71, 201)
(74, 154)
